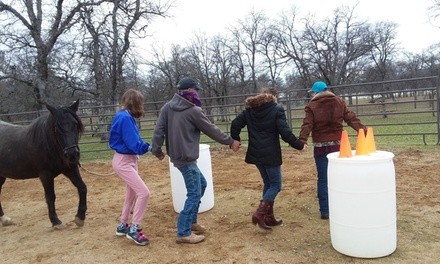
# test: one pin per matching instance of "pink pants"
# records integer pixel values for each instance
(137, 193)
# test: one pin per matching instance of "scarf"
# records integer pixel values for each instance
(191, 96)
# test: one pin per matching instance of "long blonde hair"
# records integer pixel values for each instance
(133, 101)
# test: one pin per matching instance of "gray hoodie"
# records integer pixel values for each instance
(179, 125)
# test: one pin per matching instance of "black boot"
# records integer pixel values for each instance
(270, 219)
(259, 216)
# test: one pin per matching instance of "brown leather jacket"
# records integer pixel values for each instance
(324, 117)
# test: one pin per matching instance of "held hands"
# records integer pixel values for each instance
(161, 156)
(235, 146)
(304, 148)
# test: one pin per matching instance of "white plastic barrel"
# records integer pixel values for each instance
(362, 204)
(178, 190)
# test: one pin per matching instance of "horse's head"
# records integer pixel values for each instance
(67, 129)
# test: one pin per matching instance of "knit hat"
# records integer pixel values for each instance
(318, 87)
(188, 82)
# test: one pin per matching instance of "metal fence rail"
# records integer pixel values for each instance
(378, 101)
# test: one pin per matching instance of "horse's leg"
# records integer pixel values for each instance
(5, 220)
(75, 177)
(47, 179)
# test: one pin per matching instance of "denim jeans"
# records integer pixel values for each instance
(321, 162)
(195, 184)
(272, 181)
(321, 167)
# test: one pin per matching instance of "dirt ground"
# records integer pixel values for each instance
(231, 237)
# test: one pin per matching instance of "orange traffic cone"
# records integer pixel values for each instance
(345, 148)
(361, 146)
(369, 138)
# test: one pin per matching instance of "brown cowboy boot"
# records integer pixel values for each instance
(270, 219)
(259, 216)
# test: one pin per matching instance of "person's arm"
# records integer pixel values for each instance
(307, 125)
(159, 134)
(237, 125)
(351, 119)
(285, 131)
(208, 128)
(132, 138)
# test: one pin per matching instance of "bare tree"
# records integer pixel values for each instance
(272, 57)
(434, 13)
(215, 60)
(112, 29)
(383, 48)
(337, 46)
(37, 27)
(249, 34)
(293, 50)
(223, 66)
(170, 70)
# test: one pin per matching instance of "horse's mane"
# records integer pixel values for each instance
(41, 133)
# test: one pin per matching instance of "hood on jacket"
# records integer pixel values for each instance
(179, 104)
(259, 100)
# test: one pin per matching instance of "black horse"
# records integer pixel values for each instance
(44, 149)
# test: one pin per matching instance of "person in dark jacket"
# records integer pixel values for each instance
(324, 117)
(266, 122)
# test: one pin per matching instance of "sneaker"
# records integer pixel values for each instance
(191, 239)
(135, 234)
(122, 229)
(198, 229)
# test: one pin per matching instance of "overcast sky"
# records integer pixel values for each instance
(415, 32)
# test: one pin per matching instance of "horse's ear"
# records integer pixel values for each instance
(50, 108)
(74, 106)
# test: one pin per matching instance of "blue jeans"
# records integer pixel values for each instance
(321, 161)
(195, 184)
(272, 181)
(321, 166)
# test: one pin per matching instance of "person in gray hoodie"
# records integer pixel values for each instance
(180, 122)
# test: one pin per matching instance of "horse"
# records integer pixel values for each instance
(44, 149)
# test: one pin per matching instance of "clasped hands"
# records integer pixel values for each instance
(235, 146)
